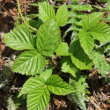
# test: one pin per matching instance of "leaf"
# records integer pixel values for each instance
(82, 7)
(56, 85)
(86, 41)
(101, 32)
(78, 99)
(68, 66)
(79, 95)
(46, 74)
(63, 49)
(79, 57)
(46, 11)
(48, 38)
(29, 63)
(62, 15)
(20, 38)
(91, 20)
(78, 15)
(30, 84)
(100, 63)
(32, 16)
(35, 24)
(38, 99)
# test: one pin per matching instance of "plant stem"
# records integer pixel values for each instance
(20, 13)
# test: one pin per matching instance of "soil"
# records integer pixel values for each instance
(10, 84)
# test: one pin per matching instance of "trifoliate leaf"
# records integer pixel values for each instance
(20, 38)
(30, 84)
(91, 20)
(46, 11)
(57, 86)
(86, 41)
(68, 66)
(38, 99)
(48, 38)
(63, 49)
(29, 63)
(79, 57)
(62, 15)
(101, 32)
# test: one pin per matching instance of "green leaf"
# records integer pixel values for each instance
(79, 95)
(63, 49)
(48, 38)
(62, 15)
(30, 84)
(32, 16)
(91, 20)
(34, 23)
(78, 15)
(38, 99)
(56, 85)
(86, 41)
(34, 4)
(82, 7)
(100, 63)
(79, 57)
(46, 11)
(19, 38)
(46, 74)
(101, 32)
(29, 63)
(68, 66)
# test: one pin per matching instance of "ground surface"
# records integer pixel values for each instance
(11, 83)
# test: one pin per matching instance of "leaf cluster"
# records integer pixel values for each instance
(41, 46)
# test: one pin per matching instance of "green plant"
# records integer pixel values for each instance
(40, 46)
(75, 21)
(79, 96)
(33, 61)
(94, 30)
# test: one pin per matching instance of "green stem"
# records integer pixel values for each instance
(20, 13)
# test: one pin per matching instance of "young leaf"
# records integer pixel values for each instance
(56, 85)
(91, 20)
(62, 15)
(79, 57)
(30, 84)
(68, 66)
(38, 99)
(86, 41)
(46, 11)
(29, 63)
(19, 38)
(63, 49)
(101, 32)
(48, 38)
(46, 74)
